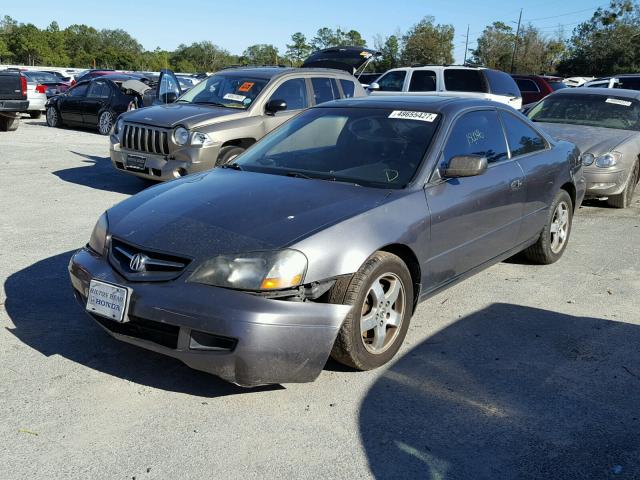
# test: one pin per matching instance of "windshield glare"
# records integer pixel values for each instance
(227, 91)
(590, 110)
(366, 146)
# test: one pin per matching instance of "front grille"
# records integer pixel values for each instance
(145, 139)
(158, 266)
(156, 332)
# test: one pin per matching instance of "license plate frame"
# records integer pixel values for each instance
(136, 162)
(103, 296)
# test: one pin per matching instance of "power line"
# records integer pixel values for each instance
(567, 14)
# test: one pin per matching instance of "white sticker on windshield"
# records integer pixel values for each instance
(234, 97)
(407, 115)
(617, 101)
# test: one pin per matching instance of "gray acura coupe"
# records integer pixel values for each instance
(323, 237)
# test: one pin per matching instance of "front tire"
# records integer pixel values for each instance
(381, 293)
(227, 154)
(53, 117)
(105, 122)
(623, 200)
(555, 234)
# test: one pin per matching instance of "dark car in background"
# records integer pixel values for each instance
(323, 237)
(535, 87)
(95, 103)
(89, 74)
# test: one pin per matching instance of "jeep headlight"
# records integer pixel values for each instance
(607, 160)
(98, 240)
(119, 126)
(253, 271)
(181, 136)
(201, 139)
(587, 159)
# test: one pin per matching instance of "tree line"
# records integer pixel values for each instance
(609, 42)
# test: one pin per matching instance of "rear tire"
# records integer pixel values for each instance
(623, 200)
(381, 293)
(555, 234)
(35, 115)
(227, 154)
(9, 124)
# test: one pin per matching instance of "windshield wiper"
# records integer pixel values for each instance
(232, 166)
(298, 175)
(215, 104)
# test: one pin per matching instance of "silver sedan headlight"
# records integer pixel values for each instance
(181, 136)
(256, 271)
(607, 160)
(98, 240)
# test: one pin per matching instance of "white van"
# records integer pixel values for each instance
(452, 80)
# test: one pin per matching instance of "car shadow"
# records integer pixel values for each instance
(100, 174)
(510, 392)
(47, 318)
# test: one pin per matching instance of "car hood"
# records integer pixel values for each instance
(595, 140)
(230, 211)
(185, 114)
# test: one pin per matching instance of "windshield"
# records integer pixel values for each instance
(225, 91)
(41, 77)
(591, 110)
(368, 146)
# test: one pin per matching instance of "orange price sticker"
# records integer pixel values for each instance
(246, 86)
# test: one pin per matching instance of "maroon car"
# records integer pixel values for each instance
(535, 87)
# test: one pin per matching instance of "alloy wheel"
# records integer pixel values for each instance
(382, 313)
(105, 123)
(52, 117)
(559, 227)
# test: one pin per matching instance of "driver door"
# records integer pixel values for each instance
(295, 93)
(473, 219)
(71, 107)
(167, 90)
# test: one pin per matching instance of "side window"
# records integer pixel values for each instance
(630, 83)
(599, 85)
(477, 133)
(79, 90)
(348, 88)
(294, 92)
(522, 139)
(500, 83)
(464, 80)
(392, 81)
(324, 89)
(526, 85)
(99, 89)
(423, 81)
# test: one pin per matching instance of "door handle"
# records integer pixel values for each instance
(516, 184)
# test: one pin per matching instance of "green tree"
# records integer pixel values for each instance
(389, 47)
(495, 47)
(261, 54)
(327, 37)
(298, 49)
(428, 43)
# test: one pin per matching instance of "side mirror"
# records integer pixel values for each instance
(168, 97)
(373, 86)
(466, 166)
(274, 106)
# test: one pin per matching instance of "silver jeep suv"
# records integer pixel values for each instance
(226, 113)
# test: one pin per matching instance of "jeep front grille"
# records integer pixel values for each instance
(145, 139)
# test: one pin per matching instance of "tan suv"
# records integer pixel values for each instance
(226, 113)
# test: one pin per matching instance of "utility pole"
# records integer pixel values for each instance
(466, 45)
(515, 44)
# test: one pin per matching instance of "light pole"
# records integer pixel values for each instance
(515, 43)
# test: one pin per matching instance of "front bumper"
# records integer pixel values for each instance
(265, 341)
(184, 161)
(604, 182)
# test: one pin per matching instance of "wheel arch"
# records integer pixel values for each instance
(239, 142)
(410, 259)
(570, 188)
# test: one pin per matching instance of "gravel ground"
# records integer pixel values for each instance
(520, 372)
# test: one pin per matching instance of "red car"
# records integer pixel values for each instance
(535, 87)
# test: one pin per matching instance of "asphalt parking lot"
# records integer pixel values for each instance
(520, 372)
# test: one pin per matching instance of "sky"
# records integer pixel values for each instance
(234, 25)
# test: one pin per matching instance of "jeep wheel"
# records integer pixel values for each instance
(227, 154)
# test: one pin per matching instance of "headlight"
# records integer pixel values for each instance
(607, 160)
(98, 240)
(254, 271)
(181, 136)
(201, 139)
(119, 126)
(588, 158)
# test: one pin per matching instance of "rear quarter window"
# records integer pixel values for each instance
(348, 88)
(463, 80)
(526, 85)
(501, 83)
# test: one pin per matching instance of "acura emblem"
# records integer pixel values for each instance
(138, 262)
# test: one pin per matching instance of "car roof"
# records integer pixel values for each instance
(267, 73)
(605, 92)
(420, 103)
(424, 67)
